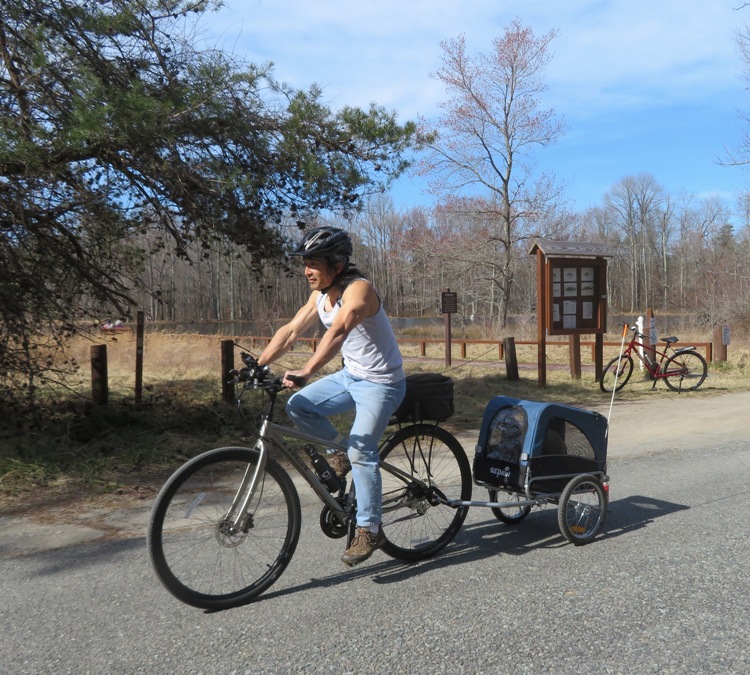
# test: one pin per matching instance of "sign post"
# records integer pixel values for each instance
(449, 305)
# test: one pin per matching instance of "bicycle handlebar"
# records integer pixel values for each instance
(260, 377)
(634, 328)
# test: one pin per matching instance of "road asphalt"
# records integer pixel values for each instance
(660, 422)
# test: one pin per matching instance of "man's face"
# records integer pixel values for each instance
(318, 273)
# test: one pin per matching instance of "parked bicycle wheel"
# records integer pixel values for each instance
(197, 553)
(611, 372)
(429, 466)
(685, 371)
(513, 513)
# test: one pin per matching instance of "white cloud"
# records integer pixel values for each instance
(607, 53)
(623, 72)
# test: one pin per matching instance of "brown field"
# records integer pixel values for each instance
(77, 449)
(186, 356)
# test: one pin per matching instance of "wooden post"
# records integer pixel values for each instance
(449, 305)
(139, 356)
(541, 310)
(719, 352)
(598, 356)
(651, 337)
(227, 364)
(99, 383)
(511, 362)
(574, 342)
(447, 325)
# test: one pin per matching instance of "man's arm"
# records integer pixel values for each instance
(358, 302)
(288, 334)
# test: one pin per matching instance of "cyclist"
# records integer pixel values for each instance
(371, 381)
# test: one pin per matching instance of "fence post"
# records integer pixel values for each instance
(139, 356)
(511, 362)
(227, 364)
(720, 341)
(99, 384)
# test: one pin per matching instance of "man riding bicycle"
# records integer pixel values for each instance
(371, 381)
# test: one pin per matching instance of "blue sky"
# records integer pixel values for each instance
(644, 86)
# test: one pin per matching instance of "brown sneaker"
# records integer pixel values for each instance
(363, 545)
(340, 463)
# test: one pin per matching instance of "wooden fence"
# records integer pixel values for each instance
(505, 350)
(463, 344)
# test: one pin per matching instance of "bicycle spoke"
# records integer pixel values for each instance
(423, 468)
(199, 554)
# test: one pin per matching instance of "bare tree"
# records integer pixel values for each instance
(483, 144)
(634, 204)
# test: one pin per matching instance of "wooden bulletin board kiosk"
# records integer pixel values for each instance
(571, 298)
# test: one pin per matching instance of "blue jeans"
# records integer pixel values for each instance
(373, 404)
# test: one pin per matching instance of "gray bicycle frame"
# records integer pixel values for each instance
(273, 435)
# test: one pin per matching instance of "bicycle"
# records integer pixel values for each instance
(682, 370)
(226, 524)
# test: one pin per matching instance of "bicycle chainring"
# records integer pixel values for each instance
(331, 525)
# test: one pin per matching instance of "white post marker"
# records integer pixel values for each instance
(640, 324)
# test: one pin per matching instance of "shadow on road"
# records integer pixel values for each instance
(482, 540)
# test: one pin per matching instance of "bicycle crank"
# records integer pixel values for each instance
(332, 527)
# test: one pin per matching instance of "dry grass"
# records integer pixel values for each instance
(87, 449)
(181, 361)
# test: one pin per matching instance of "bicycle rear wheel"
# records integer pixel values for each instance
(610, 373)
(197, 554)
(417, 522)
(685, 371)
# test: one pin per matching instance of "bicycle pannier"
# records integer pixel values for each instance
(429, 396)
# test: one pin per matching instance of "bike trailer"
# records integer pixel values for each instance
(538, 447)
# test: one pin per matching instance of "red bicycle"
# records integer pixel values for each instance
(683, 369)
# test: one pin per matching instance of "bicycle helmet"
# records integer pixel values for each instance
(325, 241)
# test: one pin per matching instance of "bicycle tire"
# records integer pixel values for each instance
(607, 381)
(510, 515)
(416, 522)
(682, 367)
(194, 555)
(582, 509)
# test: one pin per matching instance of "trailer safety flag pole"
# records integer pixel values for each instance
(625, 329)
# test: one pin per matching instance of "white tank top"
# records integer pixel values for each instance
(370, 351)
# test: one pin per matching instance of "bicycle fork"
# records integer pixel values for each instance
(239, 518)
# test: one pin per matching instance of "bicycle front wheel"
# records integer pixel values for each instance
(611, 373)
(685, 371)
(196, 550)
(424, 467)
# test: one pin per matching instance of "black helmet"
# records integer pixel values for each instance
(325, 241)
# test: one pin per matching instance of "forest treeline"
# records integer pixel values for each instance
(671, 253)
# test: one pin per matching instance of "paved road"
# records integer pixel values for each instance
(664, 589)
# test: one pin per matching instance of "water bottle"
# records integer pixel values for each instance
(323, 469)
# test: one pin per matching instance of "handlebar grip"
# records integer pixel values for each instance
(298, 381)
